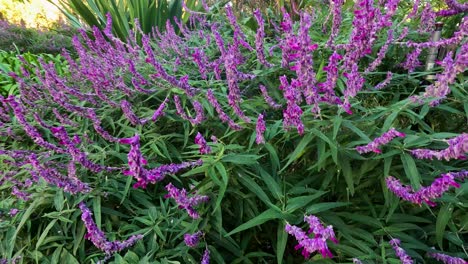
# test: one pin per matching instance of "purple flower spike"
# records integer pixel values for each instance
(401, 254)
(425, 194)
(192, 240)
(259, 38)
(382, 140)
(446, 259)
(13, 212)
(206, 257)
(260, 129)
(188, 203)
(357, 261)
(200, 140)
(457, 149)
(99, 238)
(318, 242)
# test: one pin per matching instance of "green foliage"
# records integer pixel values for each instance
(19, 38)
(11, 63)
(150, 14)
(254, 189)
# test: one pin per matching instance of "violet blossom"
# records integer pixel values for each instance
(206, 257)
(268, 98)
(385, 82)
(336, 6)
(52, 176)
(440, 89)
(13, 212)
(200, 141)
(457, 149)
(412, 61)
(354, 83)
(259, 38)
(192, 240)
(425, 194)
(260, 129)
(95, 235)
(184, 201)
(222, 115)
(377, 142)
(400, 252)
(198, 110)
(446, 259)
(318, 242)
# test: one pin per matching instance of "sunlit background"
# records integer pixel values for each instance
(32, 13)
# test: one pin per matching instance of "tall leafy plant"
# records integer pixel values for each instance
(150, 14)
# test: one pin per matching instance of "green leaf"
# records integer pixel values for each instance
(267, 215)
(299, 151)
(272, 185)
(411, 170)
(257, 190)
(320, 207)
(281, 240)
(443, 218)
(45, 233)
(347, 172)
(301, 201)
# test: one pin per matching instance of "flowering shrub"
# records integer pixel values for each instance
(212, 144)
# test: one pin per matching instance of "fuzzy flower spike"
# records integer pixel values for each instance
(382, 140)
(318, 242)
(99, 238)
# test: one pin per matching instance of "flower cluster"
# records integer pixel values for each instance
(184, 201)
(318, 242)
(446, 259)
(260, 129)
(136, 163)
(200, 140)
(192, 240)
(401, 254)
(424, 194)
(206, 257)
(457, 149)
(382, 140)
(99, 238)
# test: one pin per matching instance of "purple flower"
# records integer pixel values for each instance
(222, 115)
(412, 60)
(356, 261)
(184, 201)
(160, 111)
(198, 109)
(267, 97)
(401, 254)
(382, 140)
(354, 83)
(136, 161)
(20, 194)
(77, 155)
(336, 6)
(200, 140)
(13, 212)
(457, 149)
(446, 259)
(159, 173)
(440, 89)
(453, 4)
(385, 82)
(259, 38)
(192, 240)
(318, 242)
(99, 238)
(425, 194)
(427, 19)
(206, 257)
(260, 129)
(128, 113)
